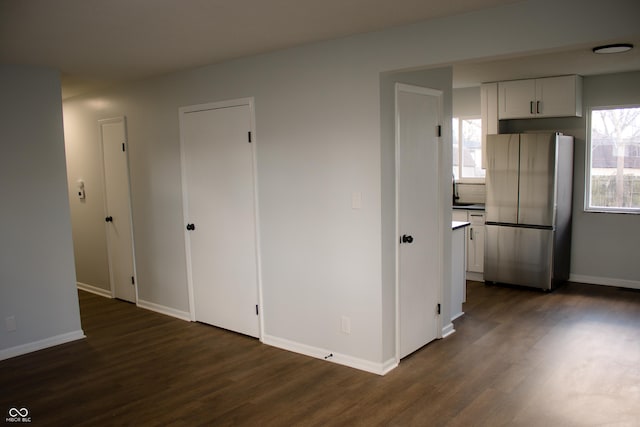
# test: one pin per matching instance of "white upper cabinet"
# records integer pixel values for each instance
(546, 97)
(515, 99)
(559, 96)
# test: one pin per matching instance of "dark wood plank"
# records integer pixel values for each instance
(518, 357)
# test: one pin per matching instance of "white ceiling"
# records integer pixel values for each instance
(579, 60)
(97, 42)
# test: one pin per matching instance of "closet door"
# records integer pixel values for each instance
(220, 213)
(418, 115)
(118, 218)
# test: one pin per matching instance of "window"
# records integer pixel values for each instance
(467, 162)
(613, 182)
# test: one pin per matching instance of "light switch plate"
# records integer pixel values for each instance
(10, 323)
(345, 325)
(356, 200)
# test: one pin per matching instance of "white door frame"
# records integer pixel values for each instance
(185, 209)
(401, 87)
(117, 119)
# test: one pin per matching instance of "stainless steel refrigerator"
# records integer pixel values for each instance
(528, 209)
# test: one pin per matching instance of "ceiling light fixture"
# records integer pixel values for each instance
(613, 48)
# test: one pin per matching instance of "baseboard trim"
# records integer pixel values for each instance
(389, 366)
(94, 290)
(330, 356)
(477, 277)
(457, 316)
(183, 315)
(41, 344)
(605, 281)
(448, 330)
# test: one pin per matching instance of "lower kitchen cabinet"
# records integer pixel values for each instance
(475, 244)
(475, 241)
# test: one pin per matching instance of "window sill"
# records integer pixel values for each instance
(473, 181)
(612, 211)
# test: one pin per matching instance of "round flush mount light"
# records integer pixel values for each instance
(613, 48)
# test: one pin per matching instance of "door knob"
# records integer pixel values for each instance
(191, 227)
(109, 219)
(407, 238)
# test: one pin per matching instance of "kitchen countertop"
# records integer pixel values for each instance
(459, 224)
(470, 207)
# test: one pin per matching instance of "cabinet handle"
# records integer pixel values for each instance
(531, 107)
(538, 107)
(471, 233)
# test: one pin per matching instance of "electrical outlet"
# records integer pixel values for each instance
(345, 325)
(10, 323)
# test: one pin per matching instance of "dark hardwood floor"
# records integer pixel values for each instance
(518, 358)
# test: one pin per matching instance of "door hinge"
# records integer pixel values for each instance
(439, 130)
(249, 136)
(438, 309)
(256, 309)
(133, 280)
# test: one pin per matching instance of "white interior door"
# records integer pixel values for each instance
(220, 209)
(118, 208)
(418, 112)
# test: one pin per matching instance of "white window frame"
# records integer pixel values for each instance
(461, 179)
(587, 186)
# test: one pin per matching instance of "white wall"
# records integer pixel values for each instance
(319, 138)
(317, 142)
(37, 276)
(466, 102)
(604, 246)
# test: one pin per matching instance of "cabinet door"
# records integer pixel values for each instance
(557, 97)
(516, 99)
(461, 215)
(475, 249)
